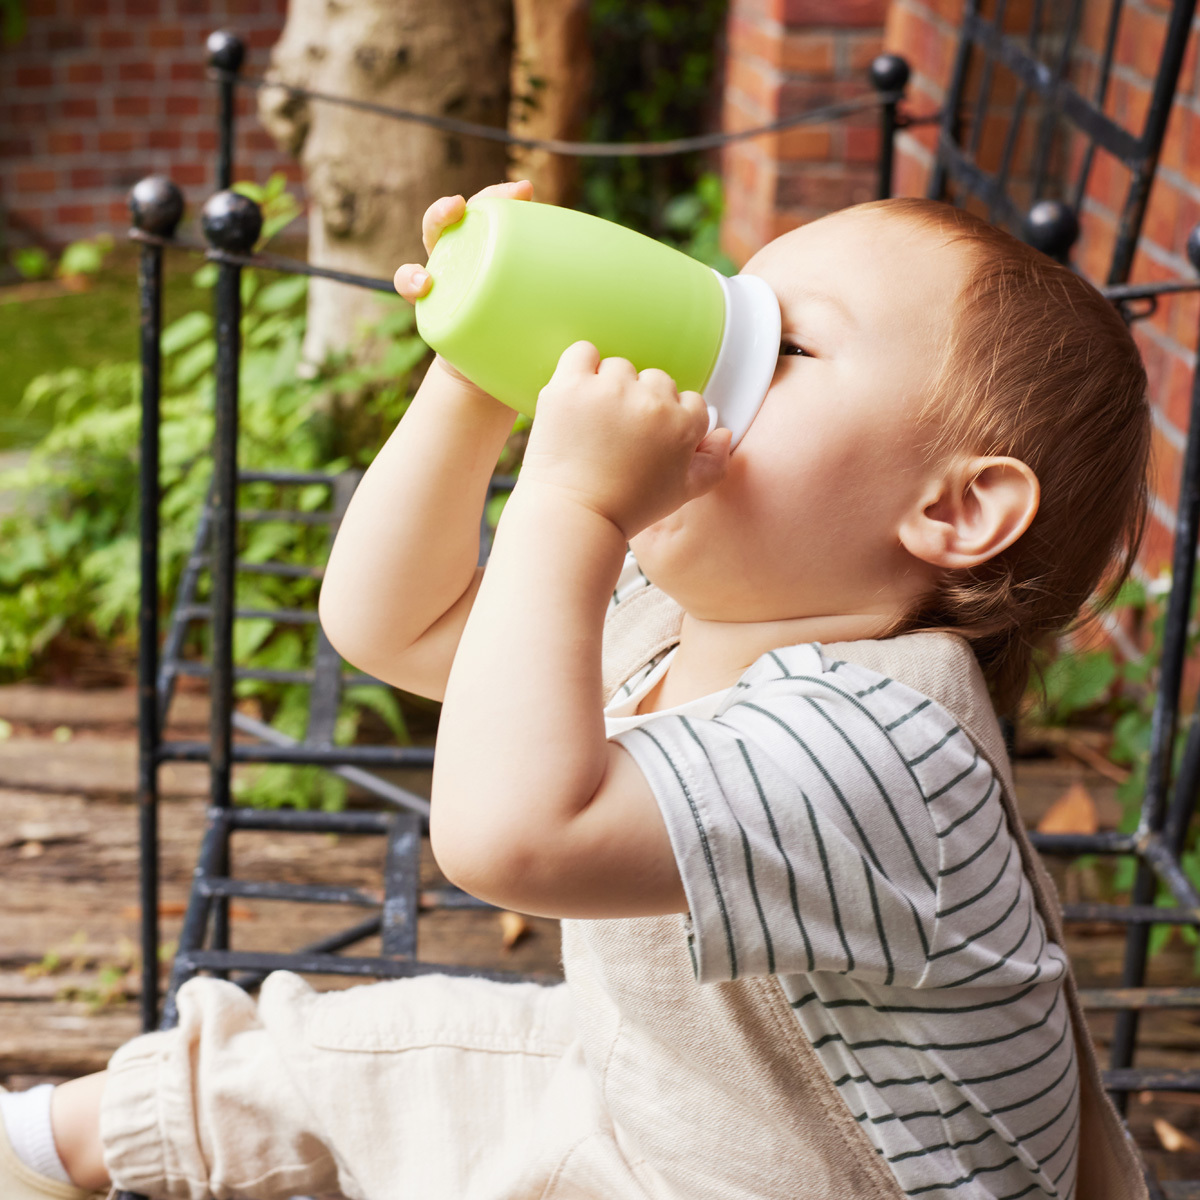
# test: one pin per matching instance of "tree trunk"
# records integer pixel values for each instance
(369, 177)
(551, 81)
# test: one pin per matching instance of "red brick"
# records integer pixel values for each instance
(118, 212)
(36, 179)
(132, 106)
(839, 13)
(66, 37)
(206, 140)
(86, 177)
(809, 143)
(140, 71)
(16, 147)
(165, 37)
(182, 106)
(141, 8)
(85, 72)
(189, 173)
(1162, 214)
(75, 214)
(34, 77)
(63, 142)
(25, 114)
(1166, 468)
(79, 108)
(861, 143)
(1175, 399)
(188, 72)
(756, 82)
(807, 53)
(118, 141)
(115, 39)
(89, 8)
(164, 139)
(1140, 40)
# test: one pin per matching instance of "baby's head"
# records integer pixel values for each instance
(956, 437)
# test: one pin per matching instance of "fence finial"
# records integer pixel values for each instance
(231, 222)
(1052, 228)
(226, 51)
(156, 206)
(889, 73)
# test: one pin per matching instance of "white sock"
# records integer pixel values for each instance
(26, 1117)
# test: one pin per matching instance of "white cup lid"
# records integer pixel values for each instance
(749, 352)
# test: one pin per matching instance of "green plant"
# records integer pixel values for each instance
(70, 562)
(1123, 691)
(654, 66)
(13, 21)
(31, 262)
(86, 256)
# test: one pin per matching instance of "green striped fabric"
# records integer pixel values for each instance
(839, 830)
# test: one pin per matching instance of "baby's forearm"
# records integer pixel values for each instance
(521, 740)
(409, 542)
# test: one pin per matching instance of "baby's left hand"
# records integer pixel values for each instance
(627, 445)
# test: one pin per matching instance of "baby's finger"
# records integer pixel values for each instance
(438, 215)
(579, 358)
(659, 380)
(709, 463)
(518, 189)
(412, 281)
(620, 368)
(693, 404)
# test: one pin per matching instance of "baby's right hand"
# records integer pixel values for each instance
(413, 281)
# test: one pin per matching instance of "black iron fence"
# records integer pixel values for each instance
(231, 224)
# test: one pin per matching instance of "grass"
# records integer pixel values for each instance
(44, 327)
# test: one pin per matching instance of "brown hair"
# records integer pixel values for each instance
(1039, 367)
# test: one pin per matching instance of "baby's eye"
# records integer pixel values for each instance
(786, 347)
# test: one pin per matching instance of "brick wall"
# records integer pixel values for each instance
(785, 56)
(102, 92)
(924, 31)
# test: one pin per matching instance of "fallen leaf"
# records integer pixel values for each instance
(176, 908)
(513, 927)
(5, 730)
(62, 733)
(1073, 812)
(31, 850)
(1174, 1139)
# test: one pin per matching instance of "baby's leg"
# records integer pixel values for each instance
(427, 1086)
(75, 1120)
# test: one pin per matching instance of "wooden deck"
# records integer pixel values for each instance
(68, 899)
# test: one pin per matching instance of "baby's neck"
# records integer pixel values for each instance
(713, 655)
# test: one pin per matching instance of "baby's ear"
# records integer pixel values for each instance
(973, 510)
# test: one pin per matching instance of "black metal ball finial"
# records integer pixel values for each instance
(1193, 247)
(889, 73)
(226, 51)
(1052, 228)
(156, 206)
(231, 222)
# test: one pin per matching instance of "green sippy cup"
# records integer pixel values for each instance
(515, 283)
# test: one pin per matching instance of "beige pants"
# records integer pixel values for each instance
(426, 1088)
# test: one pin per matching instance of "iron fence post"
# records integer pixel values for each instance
(231, 223)
(889, 74)
(226, 52)
(155, 206)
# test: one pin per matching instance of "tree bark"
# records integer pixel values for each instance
(551, 83)
(369, 177)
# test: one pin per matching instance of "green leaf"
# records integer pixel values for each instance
(383, 704)
(281, 294)
(186, 331)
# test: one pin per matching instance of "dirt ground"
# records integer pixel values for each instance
(68, 861)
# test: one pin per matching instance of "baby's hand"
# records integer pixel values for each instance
(627, 445)
(413, 281)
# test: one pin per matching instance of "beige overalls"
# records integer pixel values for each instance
(632, 1081)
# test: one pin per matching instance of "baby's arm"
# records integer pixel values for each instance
(532, 808)
(402, 574)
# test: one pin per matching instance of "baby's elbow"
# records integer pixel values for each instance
(344, 631)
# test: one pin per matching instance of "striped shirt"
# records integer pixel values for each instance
(839, 830)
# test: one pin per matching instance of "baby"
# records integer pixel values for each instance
(728, 716)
